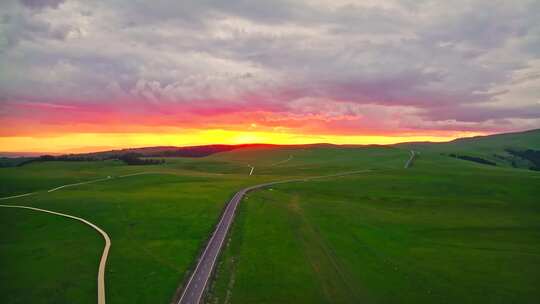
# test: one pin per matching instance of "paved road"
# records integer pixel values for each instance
(194, 289)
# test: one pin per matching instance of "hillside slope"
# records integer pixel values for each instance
(520, 150)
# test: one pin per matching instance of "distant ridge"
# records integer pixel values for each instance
(25, 154)
(170, 151)
(517, 149)
(524, 139)
(519, 134)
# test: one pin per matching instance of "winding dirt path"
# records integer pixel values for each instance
(103, 261)
(410, 161)
(283, 161)
(82, 183)
(16, 196)
(105, 254)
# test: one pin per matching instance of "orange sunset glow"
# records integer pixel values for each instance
(74, 143)
(81, 76)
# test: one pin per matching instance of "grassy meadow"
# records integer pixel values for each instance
(445, 230)
(493, 148)
(157, 222)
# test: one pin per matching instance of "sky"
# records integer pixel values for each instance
(80, 76)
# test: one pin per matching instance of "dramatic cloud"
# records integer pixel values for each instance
(314, 67)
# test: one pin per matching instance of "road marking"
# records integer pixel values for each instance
(103, 261)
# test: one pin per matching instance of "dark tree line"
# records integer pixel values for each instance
(474, 159)
(531, 155)
(128, 158)
(135, 159)
(44, 158)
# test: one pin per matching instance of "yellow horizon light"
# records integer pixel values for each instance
(79, 142)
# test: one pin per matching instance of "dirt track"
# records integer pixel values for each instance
(103, 261)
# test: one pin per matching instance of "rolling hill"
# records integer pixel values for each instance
(519, 150)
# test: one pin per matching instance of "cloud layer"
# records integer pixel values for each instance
(314, 67)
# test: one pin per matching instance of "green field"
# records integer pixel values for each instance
(493, 148)
(444, 231)
(157, 223)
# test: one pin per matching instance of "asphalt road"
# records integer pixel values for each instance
(197, 282)
(194, 289)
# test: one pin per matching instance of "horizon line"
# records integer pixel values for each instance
(101, 149)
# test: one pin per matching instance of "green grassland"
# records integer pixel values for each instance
(314, 160)
(47, 259)
(47, 175)
(493, 148)
(445, 230)
(158, 222)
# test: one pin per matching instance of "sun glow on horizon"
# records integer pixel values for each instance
(89, 142)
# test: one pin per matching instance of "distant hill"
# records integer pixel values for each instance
(24, 154)
(520, 149)
(132, 156)
(13, 161)
(188, 151)
(169, 151)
